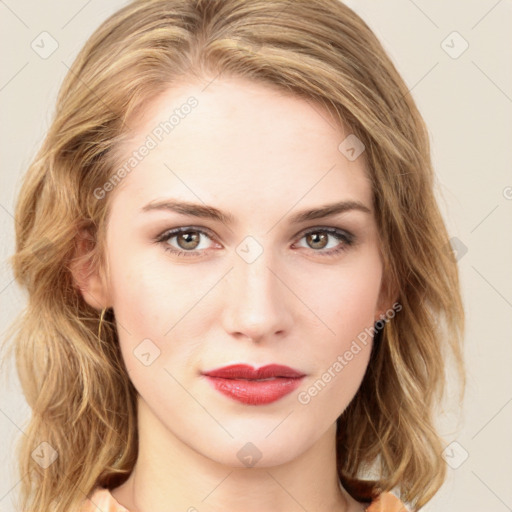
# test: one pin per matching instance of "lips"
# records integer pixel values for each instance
(252, 386)
(243, 371)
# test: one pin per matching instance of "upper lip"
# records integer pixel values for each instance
(243, 371)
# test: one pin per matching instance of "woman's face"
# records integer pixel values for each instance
(262, 288)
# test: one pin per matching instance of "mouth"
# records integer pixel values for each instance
(246, 372)
(251, 386)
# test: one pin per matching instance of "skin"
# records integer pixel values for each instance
(261, 155)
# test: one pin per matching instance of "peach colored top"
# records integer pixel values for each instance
(101, 500)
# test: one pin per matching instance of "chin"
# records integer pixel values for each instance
(256, 450)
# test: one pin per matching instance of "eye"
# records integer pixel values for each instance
(188, 240)
(318, 239)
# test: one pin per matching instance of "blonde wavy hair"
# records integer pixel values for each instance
(75, 382)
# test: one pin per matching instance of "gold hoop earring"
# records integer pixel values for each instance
(101, 320)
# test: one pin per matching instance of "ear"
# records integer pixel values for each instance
(87, 276)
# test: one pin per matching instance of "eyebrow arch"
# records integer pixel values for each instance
(210, 212)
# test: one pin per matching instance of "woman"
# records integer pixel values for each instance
(239, 289)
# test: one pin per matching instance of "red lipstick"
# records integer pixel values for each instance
(254, 386)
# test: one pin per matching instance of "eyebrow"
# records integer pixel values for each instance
(210, 212)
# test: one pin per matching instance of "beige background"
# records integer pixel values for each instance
(466, 99)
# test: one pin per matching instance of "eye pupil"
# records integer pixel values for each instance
(316, 237)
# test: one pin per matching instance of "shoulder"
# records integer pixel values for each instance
(387, 502)
(101, 499)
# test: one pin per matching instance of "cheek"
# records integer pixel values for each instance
(145, 291)
(345, 301)
(141, 309)
(343, 351)
(156, 309)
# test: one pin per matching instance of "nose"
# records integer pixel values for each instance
(257, 303)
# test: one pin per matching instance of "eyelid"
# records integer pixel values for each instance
(172, 232)
(209, 232)
(328, 229)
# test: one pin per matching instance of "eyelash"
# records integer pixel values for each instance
(347, 238)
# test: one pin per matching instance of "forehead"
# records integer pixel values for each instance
(239, 141)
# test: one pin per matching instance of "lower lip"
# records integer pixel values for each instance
(253, 392)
